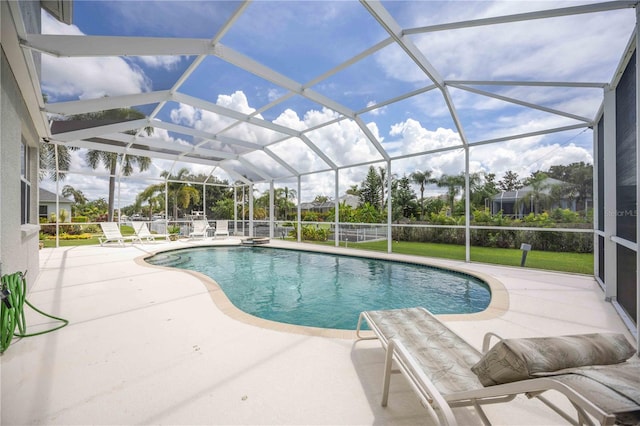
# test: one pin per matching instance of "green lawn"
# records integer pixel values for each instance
(581, 263)
(69, 243)
(126, 230)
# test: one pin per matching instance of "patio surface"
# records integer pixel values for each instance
(149, 345)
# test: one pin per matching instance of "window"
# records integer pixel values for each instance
(25, 185)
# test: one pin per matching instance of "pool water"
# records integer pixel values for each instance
(325, 290)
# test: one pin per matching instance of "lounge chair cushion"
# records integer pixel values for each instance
(511, 360)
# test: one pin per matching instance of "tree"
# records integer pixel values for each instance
(282, 200)
(47, 158)
(487, 189)
(368, 213)
(78, 198)
(223, 208)
(154, 196)
(403, 197)
(353, 190)
(109, 159)
(536, 198)
(579, 180)
(422, 179)
(180, 194)
(77, 195)
(213, 190)
(370, 188)
(95, 211)
(509, 182)
(453, 183)
(347, 213)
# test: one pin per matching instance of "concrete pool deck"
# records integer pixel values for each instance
(148, 345)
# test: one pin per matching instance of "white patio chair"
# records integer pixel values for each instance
(222, 228)
(200, 228)
(111, 231)
(598, 373)
(142, 231)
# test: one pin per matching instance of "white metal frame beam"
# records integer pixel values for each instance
(543, 14)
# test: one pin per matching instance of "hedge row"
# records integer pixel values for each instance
(539, 240)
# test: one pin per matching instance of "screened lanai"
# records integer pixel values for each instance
(309, 95)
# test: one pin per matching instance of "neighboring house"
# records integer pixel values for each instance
(512, 202)
(47, 204)
(352, 201)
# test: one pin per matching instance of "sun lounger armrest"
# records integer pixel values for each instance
(486, 342)
(424, 388)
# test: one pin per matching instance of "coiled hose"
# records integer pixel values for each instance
(14, 290)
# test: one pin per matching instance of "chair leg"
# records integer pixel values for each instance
(388, 363)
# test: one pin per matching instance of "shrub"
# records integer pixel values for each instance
(311, 233)
(84, 236)
(310, 217)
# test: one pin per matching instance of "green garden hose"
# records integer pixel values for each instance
(13, 290)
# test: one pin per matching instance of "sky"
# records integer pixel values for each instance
(304, 40)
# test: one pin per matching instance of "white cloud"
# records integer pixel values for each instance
(90, 77)
(581, 47)
(166, 62)
(415, 138)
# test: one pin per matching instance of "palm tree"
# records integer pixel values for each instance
(78, 196)
(537, 198)
(453, 183)
(180, 194)
(154, 196)
(109, 159)
(282, 197)
(353, 190)
(422, 179)
(48, 160)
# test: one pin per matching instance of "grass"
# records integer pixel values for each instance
(581, 263)
(126, 230)
(68, 243)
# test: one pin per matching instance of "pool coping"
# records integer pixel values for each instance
(498, 305)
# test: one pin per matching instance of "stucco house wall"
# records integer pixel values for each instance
(18, 242)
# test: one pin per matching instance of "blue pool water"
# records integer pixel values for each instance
(324, 290)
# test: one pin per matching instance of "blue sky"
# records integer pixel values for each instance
(304, 40)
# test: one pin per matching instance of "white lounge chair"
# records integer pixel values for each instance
(598, 373)
(200, 228)
(142, 231)
(111, 231)
(222, 228)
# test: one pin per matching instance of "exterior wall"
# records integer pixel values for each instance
(51, 209)
(18, 243)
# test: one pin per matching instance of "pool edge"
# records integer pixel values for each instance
(498, 305)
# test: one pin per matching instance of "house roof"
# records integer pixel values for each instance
(50, 197)
(348, 199)
(520, 193)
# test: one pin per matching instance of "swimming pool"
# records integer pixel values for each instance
(326, 290)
